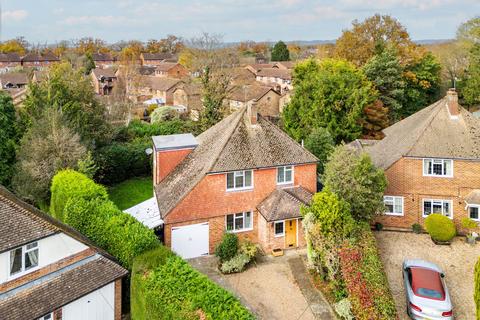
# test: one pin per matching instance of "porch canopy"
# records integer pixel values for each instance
(284, 204)
(473, 198)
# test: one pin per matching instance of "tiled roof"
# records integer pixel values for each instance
(248, 93)
(32, 57)
(275, 73)
(102, 57)
(10, 57)
(430, 132)
(14, 78)
(159, 83)
(473, 197)
(165, 66)
(157, 56)
(232, 144)
(284, 203)
(106, 73)
(65, 286)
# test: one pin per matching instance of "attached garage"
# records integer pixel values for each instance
(191, 241)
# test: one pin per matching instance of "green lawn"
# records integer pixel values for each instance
(130, 192)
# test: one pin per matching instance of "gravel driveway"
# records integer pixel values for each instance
(457, 261)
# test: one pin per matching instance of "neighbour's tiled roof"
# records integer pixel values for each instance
(159, 83)
(286, 64)
(285, 74)
(284, 203)
(473, 197)
(232, 144)
(32, 57)
(10, 57)
(165, 66)
(102, 57)
(63, 287)
(248, 93)
(157, 56)
(106, 73)
(428, 133)
(14, 78)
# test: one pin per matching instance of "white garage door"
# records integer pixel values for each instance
(190, 241)
(97, 305)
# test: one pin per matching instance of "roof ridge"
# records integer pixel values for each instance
(432, 117)
(240, 117)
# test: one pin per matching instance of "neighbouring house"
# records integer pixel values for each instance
(50, 271)
(432, 163)
(265, 98)
(189, 95)
(254, 68)
(285, 65)
(278, 76)
(39, 61)
(151, 87)
(244, 175)
(154, 59)
(103, 60)
(9, 61)
(13, 80)
(103, 80)
(171, 70)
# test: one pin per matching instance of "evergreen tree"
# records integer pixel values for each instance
(280, 52)
(8, 138)
(89, 63)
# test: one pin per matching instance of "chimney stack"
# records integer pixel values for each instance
(253, 112)
(452, 103)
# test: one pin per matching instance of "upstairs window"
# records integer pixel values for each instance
(285, 175)
(393, 205)
(23, 258)
(438, 167)
(239, 180)
(437, 206)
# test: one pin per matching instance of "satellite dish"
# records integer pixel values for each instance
(149, 151)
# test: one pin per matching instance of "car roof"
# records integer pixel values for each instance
(426, 279)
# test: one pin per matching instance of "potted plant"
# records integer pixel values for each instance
(470, 225)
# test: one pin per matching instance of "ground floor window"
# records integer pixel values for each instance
(279, 228)
(393, 205)
(437, 206)
(473, 212)
(241, 221)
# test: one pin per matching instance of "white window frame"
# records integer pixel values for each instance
(474, 206)
(45, 316)
(393, 198)
(433, 160)
(442, 201)
(24, 252)
(237, 215)
(284, 174)
(235, 175)
(275, 230)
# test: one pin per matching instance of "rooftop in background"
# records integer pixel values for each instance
(174, 141)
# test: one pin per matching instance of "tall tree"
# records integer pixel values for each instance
(46, 147)
(70, 91)
(8, 138)
(375, 120)
(280, 52)
(331, 94)
(372, 36)
(386, 74)
(469, 32)
(470, 84)
(89, 63)
(18, 45)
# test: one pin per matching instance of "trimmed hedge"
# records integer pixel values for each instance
(115, 231)
(365, 279)
(440, 227)
(68, 184)
(164, 286)
(476, 294)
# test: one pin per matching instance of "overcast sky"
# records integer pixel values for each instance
(54, 20)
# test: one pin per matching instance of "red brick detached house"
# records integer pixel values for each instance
(243, 175)
(49, 271)
(432, 163)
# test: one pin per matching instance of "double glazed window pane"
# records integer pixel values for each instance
(278, 228)
(230, 180)
(238, 221)
(474, 212)
(239, 179)
(15, 261)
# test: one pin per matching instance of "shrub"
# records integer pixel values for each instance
(115, 231)
(167, 287)
(344, 309)
(236, 264)
(249, 248)
(469, 224)
(417, 228)
(440, 227)
(163, 114)
(476, 294)
(228, 248)
(68, 184)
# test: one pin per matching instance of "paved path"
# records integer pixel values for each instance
(274, 288)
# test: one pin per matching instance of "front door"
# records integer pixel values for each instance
(291, 233)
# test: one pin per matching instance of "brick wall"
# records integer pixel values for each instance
(209, 200)
(166, 161)
(268, 241)
(118, 299)
(405, 178)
